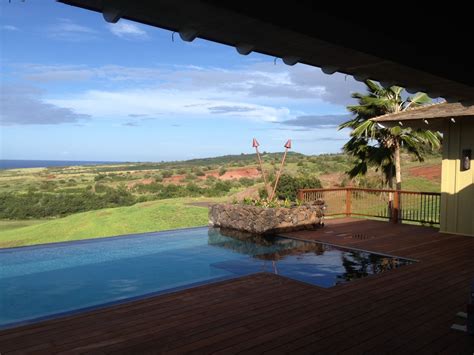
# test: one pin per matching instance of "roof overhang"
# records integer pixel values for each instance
(348, 39)
(434, 117)
(437, 125)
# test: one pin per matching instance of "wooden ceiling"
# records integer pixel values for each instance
(419, 48)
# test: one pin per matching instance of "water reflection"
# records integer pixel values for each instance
(310, 262)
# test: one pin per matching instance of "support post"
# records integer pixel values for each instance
(348, 201)
(396, 207)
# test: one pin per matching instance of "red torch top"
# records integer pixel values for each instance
(288, 144)
(255, 143)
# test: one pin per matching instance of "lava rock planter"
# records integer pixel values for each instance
(265, 220)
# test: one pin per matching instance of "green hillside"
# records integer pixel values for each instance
(43, 205)
(139, 218)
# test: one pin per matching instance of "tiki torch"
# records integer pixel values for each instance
(287, 146)
(255, 144)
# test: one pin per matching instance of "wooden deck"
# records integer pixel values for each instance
(406, 310)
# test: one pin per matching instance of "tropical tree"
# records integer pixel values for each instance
(374, 145)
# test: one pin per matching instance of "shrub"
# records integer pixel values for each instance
(190, 176)
(167, 173)
(220, 188)
(246, 181)
(99, 188)
(48, 186)
(193, 190)
(149, 188)
(222, 171)
(210, 180)
(289, 185)
(223, 186)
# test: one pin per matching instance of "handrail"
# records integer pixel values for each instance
(395, 205)
(370, 190)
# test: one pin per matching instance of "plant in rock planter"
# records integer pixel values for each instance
(267, 203)
(271, 214)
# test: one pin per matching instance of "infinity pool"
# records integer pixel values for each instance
(48, 280)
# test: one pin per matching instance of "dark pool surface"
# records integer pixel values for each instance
(44, 281)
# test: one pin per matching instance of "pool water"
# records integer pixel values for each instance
(44, 281)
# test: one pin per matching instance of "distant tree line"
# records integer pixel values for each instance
(43, 204)
(46, 204)
(160, 191)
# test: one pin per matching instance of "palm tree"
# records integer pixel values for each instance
(374, 145)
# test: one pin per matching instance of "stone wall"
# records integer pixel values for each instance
(260, 220)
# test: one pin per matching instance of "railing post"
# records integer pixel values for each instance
(300, 195)
(396, 206)
(348, 201)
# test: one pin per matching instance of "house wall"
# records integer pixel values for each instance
(457, 187)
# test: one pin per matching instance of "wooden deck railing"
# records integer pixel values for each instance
(394, 205)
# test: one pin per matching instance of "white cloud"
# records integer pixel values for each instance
(260, 81)
(317, 121)
(127, 30)
(260, 91)
(24, 106)
(59, 73)
(10, 28)
(157, 102)
(68, 30)
(46, 73)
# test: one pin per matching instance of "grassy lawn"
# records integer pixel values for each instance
(9, 225)
(413, 183)
(139, 218)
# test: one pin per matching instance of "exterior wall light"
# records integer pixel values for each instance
(111, 15)
(466, 157)
(188, 34)
(290, 60)
(244, 48)
(328, 70)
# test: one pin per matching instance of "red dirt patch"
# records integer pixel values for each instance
(175, 179)
(236, 174)
(230, 174)
(432, 172)
(148, 181)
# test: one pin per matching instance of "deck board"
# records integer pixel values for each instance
(409, 309)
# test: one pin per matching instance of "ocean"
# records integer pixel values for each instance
(18, 164)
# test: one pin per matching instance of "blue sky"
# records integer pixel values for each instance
(74, 87)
